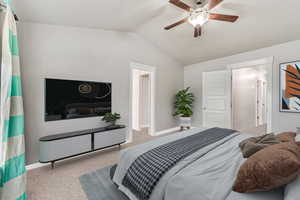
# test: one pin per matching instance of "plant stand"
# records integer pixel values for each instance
(185, 123)
(182, 128)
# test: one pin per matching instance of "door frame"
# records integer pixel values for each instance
(261, 99)
(268, 62)
(152, 72)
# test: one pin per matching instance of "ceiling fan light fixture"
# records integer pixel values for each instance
(198, 18)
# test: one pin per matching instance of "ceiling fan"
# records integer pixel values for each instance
(200, 15)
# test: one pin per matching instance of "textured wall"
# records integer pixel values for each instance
(88, 54)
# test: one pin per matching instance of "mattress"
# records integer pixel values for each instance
(207, 174)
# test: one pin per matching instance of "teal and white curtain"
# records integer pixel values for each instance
(12, 144)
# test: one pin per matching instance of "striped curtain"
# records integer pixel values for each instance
(12, 144)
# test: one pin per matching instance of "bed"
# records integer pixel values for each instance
(206, 174)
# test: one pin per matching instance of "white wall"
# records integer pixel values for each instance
(282, 53)
(244, 83)
(88, 54)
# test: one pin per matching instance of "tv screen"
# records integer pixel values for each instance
(68, 99)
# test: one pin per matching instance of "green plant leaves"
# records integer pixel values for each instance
(184, 103)
(111, 117)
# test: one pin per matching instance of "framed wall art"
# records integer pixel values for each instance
(290, 87)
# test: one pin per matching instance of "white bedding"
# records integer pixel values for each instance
(292, 190)
(207, 174)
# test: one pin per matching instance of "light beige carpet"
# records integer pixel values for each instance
(62, 183)
(255, 131)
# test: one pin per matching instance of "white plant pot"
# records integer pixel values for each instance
(185, 122)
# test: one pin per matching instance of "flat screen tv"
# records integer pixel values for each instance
(69, 99)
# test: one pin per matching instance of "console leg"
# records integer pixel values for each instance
(52, 165)
(119, 146)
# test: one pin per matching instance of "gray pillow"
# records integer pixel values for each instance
(254, 144)
(271, 195)
(292, 190)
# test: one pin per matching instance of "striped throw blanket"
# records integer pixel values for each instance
(148, 168)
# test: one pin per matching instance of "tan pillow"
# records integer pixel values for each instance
(269, 168)
(286, 136)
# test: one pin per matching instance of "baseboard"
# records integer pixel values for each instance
(167, 131)
(35, 166)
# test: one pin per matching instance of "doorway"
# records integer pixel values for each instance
(142, 98)
(239, 97)
(251, 96)
(249, 99)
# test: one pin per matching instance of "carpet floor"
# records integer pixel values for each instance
(62, 183)
(99, 186)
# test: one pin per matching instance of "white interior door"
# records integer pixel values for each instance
(216, 102)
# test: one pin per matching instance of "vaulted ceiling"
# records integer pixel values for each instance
(262, 23)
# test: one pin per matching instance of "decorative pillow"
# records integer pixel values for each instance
(286, 136)
(269, 168)
(254, 144)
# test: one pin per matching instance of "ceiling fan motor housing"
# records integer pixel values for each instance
(200, 2)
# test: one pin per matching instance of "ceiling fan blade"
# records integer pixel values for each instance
(176, 24)
(220, 17)
(197, 31)
(213, 3)
(182, 5)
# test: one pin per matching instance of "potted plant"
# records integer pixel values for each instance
(111, 118)
(183, 104)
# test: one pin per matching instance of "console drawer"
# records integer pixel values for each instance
(57, 149)
(109, 138)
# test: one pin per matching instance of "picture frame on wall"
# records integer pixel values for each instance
(290, 87)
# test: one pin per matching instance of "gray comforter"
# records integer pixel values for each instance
(207, 174)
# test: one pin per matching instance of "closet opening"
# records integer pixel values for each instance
(142, 100)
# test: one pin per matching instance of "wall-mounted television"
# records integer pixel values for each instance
(70, 99)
